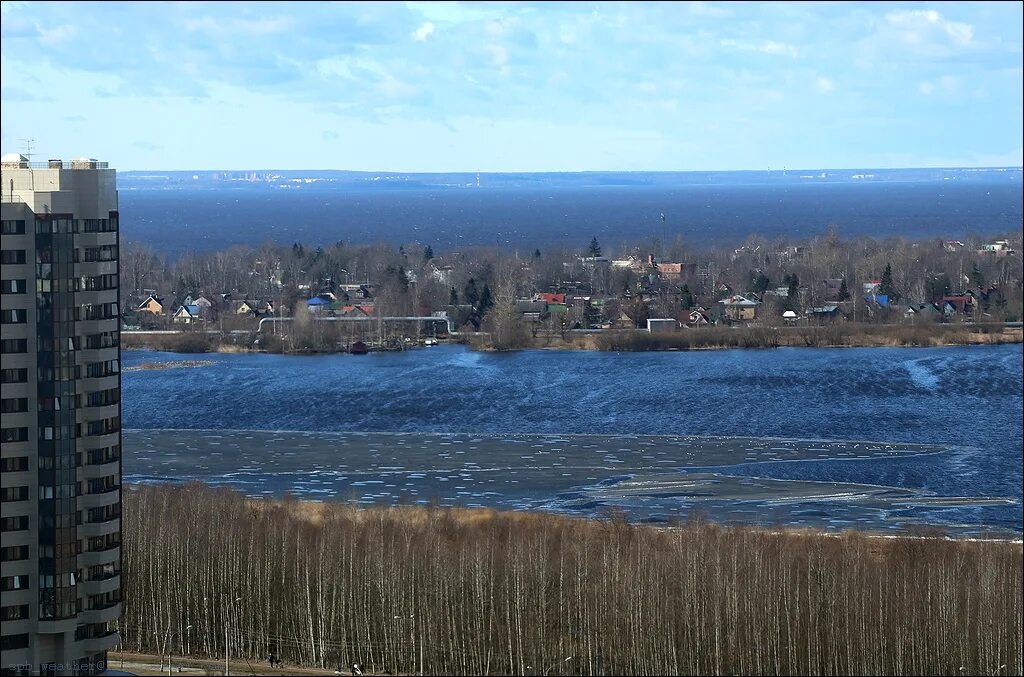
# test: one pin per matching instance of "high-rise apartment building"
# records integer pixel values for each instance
(60, 556)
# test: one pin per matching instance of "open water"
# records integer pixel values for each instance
(879, 438)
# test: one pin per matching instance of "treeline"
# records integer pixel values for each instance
(439, 591)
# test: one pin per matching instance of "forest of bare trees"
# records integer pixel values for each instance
(435, 591)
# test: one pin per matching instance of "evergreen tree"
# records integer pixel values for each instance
(761, 283)
(886, 287)
(486, 301)
(936, 286)
(453, 297)
(977, 277)
(595, 248)
(686, 299)
(471, 294)
(844, 291)
(793, 294)
(428, 253)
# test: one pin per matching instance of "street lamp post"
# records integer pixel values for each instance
(227, 646)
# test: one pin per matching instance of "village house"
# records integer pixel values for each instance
(671, 271)
(999, 249)
(152, 304)
(317, 305)
(253, 308)
(698, 317)
(922, 311)
(658, 325)
(739, 308)
(826, 314)
(188, 314)
(961, 304)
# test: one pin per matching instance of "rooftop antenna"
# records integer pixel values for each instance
(28, 154)
(28, 148)
(664, 237)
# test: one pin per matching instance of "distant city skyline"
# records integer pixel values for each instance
(515, 87)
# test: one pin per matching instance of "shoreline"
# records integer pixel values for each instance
(834, 336)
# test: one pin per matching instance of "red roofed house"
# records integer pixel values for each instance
(555, 299)
(963, 303)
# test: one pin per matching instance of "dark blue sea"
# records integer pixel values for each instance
(194, 219)
(877, 438)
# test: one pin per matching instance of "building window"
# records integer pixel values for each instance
(12, 286)
(12, 642)
(14, 464)
(8, 583)
(13, 375)
(12, 256)
(14, 553)
(104, 253)
(13, 316)
(13, 405)
(14, 435)
(103, 426)
(9, 494)
(102, 398)
(13, 346)
(19, 523)
(12, 227)
(14, 613)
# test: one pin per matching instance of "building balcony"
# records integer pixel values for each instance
(102, 643)
(84, 327)
(91, 471)
(97, 557)
(87, 384)
(94, 529)
(28, 596)
(57, 626)
(101, 586)
(84, 414)
(100, 499)
(111, 612)
(17, 478)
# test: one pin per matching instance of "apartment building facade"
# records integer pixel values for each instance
(60, 414)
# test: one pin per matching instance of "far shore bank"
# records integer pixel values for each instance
(846, 335)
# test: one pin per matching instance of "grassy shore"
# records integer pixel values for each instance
(848, 335)
(411, 590)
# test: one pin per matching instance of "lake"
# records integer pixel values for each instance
(879, 438)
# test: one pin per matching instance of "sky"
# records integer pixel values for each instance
(514, 87)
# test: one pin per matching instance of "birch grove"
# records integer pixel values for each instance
(412, 590)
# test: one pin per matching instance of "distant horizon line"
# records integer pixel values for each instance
(600, 171)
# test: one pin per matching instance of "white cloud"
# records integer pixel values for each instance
(920, 27)
(947, 85)
(250, 27)
(772, 47)
(767, 47)
(823, 84)
(423, 32)
(499, 54)
(55, 36)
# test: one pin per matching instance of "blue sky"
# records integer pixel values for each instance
(424, 86)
